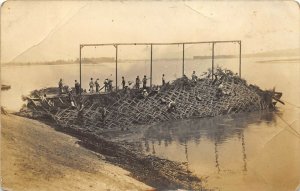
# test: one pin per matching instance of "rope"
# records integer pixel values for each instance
(294, 131)
(291, 104)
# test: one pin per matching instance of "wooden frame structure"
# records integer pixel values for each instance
(116, 45)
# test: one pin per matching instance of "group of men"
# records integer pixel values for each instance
(95, 85)
(144, 81)
(61, 87)
(138, 82)
(108, 84)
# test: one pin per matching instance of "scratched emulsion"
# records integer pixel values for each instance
(257, 151)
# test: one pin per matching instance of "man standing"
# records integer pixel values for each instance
(97, 85)
(163, 80)
(137, 82)
(77, 87)
(60, 86)
(194, 77)
(106, 85)
(91, 85)
(110, 85)
(144, 82)
(123, 83)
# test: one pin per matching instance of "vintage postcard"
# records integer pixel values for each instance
(150, 95)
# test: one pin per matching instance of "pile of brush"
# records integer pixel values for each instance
(217, 94)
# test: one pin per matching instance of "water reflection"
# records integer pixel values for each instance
(244, 153)
(217, 129)
(217, 157)
(186, 137)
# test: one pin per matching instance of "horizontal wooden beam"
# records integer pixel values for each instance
(172, 43)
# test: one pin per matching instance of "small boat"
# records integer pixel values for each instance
(5, 87)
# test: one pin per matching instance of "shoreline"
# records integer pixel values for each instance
(37, 157)
(161, 174)
(149, 172)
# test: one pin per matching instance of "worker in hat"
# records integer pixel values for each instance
(106, 85)
(91, 85)
(144, 82)
(77, 87)
(123, 82)
(145, 93)
(60, 86)
(97, 85)
(163, 80)
(137, 82)
(194, 77)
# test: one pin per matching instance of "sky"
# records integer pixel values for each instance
(35, 31)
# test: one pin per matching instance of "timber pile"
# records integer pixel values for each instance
(226, 93)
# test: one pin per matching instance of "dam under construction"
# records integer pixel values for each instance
(98, 118)
(218, 91)
(150, 96)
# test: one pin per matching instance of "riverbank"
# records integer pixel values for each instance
(154, 171)
(36, 157)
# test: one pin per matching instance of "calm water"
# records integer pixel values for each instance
(264, 72)
(253, 151)
(257, 151)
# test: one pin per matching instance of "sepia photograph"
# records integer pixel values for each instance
(150, 95)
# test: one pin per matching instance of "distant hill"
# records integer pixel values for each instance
(95, 60)
(275, 53)
(57, 62)
(64, 62)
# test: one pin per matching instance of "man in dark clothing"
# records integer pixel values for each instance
(97, 85)
(194, 77)
(110, 85)
(137, 82)
(144, 82)
(123, 82)
(106, 85)
(163, 80)
(60, 86)
(77, 87)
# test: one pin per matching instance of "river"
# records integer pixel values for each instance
(252, 151)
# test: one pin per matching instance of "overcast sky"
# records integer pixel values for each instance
(51, 30)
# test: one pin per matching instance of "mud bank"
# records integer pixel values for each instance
(36, 157)
(161, 174)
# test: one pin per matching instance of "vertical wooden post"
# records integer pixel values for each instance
(183, 59)
(80, 66)
(213, 60)
(116, 46)
(151, 67)
(240, 60)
